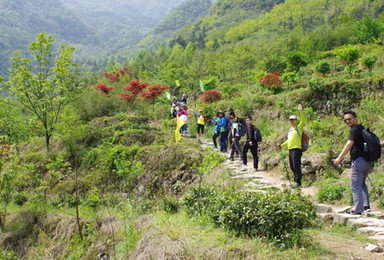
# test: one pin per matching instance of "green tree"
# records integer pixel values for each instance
(297, 60)
(369, 61)
(323, 67)
(349, 55)
(368, 30)
(290, 78)
(45, 83)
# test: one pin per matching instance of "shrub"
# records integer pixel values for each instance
(349, 56)
(275, 215)
(210, 96)
(104, 88)
(331, 190)
(271, 81)
(323, 67)
(369, 61)
(297, 60)
(368, 30)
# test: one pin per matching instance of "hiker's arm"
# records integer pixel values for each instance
(195, 113)
(284, 144)
(346, 150)
(302, 122)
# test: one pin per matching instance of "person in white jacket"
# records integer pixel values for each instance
(183, 129)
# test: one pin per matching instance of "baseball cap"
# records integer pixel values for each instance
(292, 117)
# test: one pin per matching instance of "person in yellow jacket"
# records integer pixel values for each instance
(201, 119)
(295, 146)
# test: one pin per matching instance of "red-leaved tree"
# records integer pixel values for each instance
(104, 88)
(116, 75)
(210, 96)
(271, 81)
(135, 88)
(153, 92)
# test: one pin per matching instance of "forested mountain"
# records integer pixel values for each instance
(239, 40)
(179, 17)
(121, 23)
(95, 28)
(21, 21)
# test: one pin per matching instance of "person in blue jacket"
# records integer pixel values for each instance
(223, 128)
(216, 134)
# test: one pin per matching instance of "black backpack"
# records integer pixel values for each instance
(257, 135)
(372, 146)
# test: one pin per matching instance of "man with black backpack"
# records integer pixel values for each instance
(253, 137)
(294, 144)
(235, 137)
(364, 148)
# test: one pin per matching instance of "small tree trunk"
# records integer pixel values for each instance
(47, 140)
(77, 205)
(1, 224)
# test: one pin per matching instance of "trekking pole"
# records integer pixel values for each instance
(374, 188)
(285, 167)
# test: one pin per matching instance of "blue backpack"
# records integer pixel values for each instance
(242, 129)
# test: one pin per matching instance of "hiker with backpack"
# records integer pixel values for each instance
(184, 120)
(253, 138)
(235, 137)
(201, 119)
(216, 134)
(294, 144)
(364, 148)
(223, 124)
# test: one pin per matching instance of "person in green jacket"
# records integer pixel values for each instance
(295, 146)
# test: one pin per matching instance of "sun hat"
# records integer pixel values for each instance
(293, 117)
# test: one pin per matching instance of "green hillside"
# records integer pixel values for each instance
(90, 168)
(21, 21)
(119, 24)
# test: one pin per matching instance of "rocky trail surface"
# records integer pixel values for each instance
(370, 224)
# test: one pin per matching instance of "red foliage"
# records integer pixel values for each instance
(154, 92)
(115, 76)
(104, 88)
(271, 80)
(210, 96)
(128, 97)
(135, 87)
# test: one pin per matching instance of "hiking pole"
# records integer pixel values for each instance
(374, 188)
(285, 167)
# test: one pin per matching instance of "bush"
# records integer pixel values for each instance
(331, 190)
(369, 61)
(323, 67)
(349, 55)
(297, 60)
(210, 96)
(275, 215)
(368, 30)
(271, 81)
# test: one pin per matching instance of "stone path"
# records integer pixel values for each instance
(371, 224)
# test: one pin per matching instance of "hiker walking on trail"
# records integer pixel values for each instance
(216, 134)
(253, 137)
(235, 135)
(184, 119)
(201, 119)
(294, 145)
(184, 98)
(360, 167)
(223, 126)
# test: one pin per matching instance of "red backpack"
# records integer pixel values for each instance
(304, 141)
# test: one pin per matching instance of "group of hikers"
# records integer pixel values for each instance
(230, 129)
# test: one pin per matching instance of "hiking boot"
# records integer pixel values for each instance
(367, 209)
(214, 147)
(353, 213)
(294, 186)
